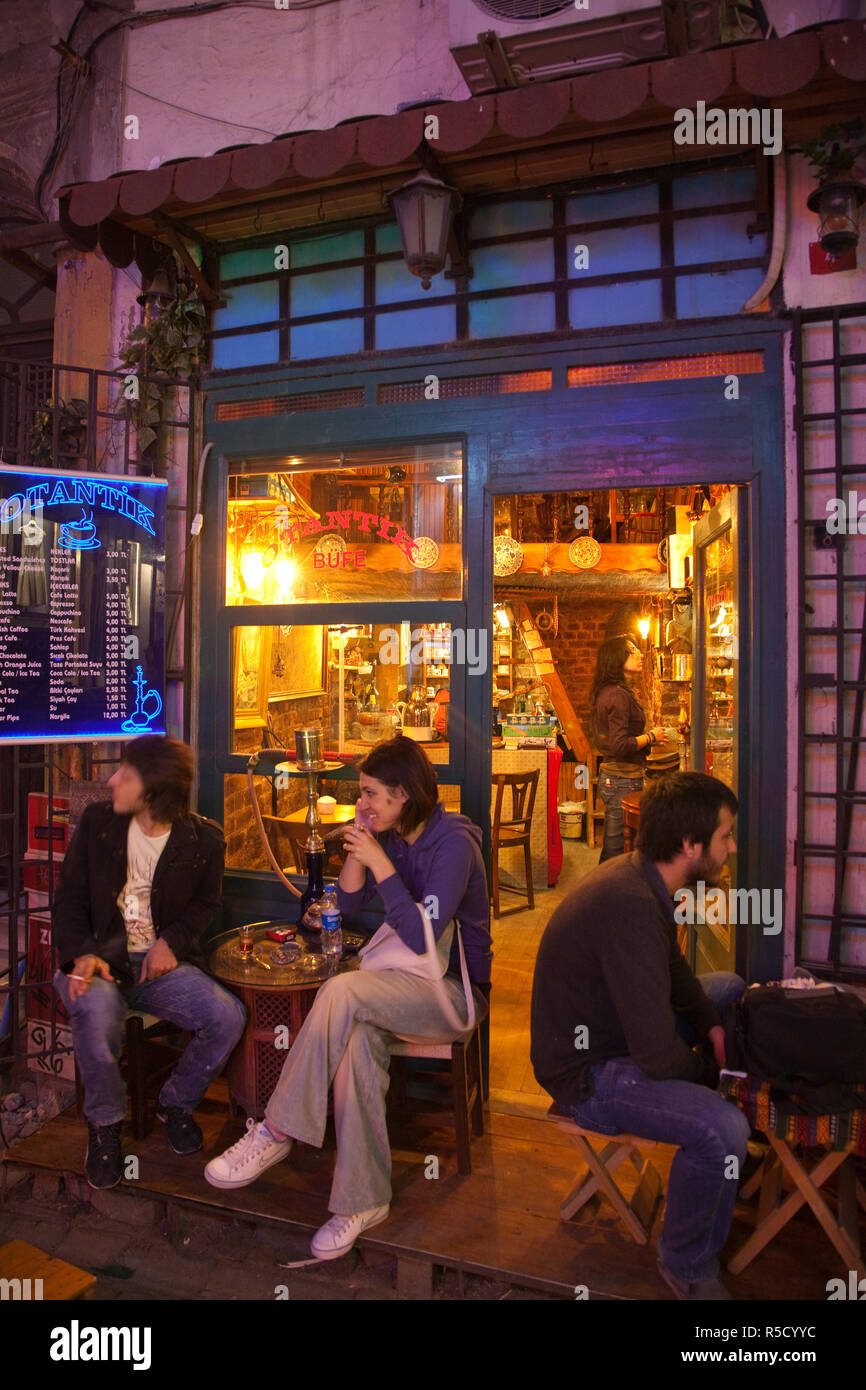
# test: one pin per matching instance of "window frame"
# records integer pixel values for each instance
(463, 296)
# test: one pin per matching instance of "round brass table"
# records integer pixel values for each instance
(277, 1001)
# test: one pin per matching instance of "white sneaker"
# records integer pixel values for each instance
(248, 1158)
(340, 1233)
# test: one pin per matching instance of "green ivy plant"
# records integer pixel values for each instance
(71, 430)
(168, 346)
(837, 149)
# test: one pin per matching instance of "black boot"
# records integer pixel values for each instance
(103, 1165)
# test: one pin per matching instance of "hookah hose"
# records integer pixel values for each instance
(251, 767)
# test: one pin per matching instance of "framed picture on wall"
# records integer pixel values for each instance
(252, 666)
(298, 662)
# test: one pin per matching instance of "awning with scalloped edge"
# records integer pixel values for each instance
(121, 214)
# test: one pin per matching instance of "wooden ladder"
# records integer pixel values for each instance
(545, 671)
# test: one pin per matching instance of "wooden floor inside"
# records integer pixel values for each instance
(515, 945)
(503, 1220)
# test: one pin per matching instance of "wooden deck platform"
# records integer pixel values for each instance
(502, 1222)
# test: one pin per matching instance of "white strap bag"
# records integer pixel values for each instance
(386, 951)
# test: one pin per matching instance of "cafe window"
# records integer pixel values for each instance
(370, 526)
(358, 682)
(679, 244)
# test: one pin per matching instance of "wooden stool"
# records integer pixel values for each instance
(148, 1063)
(841, 1136)
(466, 1113)
(639, 1212)
(39, 1276)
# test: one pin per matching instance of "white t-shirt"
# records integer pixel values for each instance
(142, 853)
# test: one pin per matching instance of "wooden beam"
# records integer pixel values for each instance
(29, 266)
(171, 234)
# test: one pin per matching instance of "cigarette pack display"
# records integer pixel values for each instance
(40, 973)
(35, 871)
(38, 829)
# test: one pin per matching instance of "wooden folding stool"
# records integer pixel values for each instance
(637, 1214)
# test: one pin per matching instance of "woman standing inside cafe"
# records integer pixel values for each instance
(406, 849)
(621, 734)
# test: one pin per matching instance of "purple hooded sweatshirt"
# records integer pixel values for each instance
(444, 861)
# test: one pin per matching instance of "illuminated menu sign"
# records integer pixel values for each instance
(82, 606)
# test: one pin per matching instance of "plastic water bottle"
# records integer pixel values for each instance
(332, 935)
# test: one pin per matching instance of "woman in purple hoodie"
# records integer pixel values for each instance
(414, 852)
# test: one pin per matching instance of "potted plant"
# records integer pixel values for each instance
(163, 351)
(839, 194)
(71, 431)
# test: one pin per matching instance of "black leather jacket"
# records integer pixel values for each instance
(185, 894)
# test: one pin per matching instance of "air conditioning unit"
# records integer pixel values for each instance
(788, 16)
(469, 18)
(509, 43)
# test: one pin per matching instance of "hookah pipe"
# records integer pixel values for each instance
(309, 759)
(279, 755)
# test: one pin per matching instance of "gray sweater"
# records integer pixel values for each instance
(609, 962)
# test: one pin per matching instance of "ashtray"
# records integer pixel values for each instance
(289, 953)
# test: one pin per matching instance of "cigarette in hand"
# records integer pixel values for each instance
(85, 979)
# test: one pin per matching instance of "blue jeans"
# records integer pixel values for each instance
(612, 789)
(185, 996)
(708, 1130)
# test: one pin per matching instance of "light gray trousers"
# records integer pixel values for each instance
(346, 1042)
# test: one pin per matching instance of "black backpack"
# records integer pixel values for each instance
(798, 1039)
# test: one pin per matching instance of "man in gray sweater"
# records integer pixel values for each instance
(616, 1011)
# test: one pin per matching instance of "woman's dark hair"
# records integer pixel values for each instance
(399, 762)
(166, 767)
(683, 806)
(609, 666)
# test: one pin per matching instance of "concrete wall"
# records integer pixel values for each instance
(254, 73)
(802, 289)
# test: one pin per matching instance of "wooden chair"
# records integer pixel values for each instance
(466, 1111)
(287, 839)
(514, 833)
(287, 848)
(637, 1214)
(147, 1062)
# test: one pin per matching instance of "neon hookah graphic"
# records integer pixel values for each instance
(79, 535)
(140, 721)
